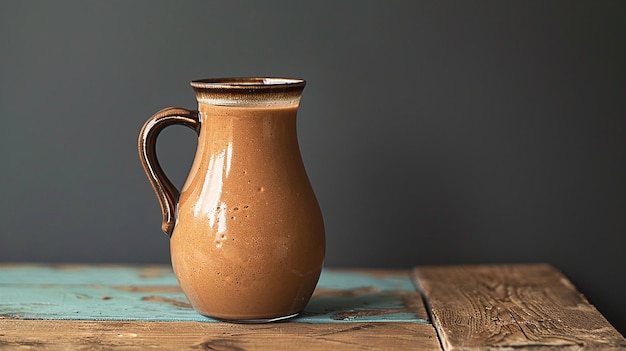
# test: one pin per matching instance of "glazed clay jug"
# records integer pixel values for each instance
(247, 236)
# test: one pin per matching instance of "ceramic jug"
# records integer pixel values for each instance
(246, 232)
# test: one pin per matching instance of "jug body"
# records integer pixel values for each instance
(248, 236)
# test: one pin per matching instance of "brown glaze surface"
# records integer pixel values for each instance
(248, 241)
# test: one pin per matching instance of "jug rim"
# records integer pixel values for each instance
(249, 92)
(247, 82)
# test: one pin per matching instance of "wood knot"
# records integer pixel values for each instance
(219, 345)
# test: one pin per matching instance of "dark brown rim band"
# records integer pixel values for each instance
(249, 91)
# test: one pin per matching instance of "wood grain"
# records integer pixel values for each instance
(119, 335)
(506, 307)
(152, 294)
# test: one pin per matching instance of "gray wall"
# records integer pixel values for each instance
(433, 132)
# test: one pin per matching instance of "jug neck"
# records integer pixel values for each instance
(249, 92)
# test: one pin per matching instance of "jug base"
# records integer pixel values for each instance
(258, 320)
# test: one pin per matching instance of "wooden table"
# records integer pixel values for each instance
(488, 307)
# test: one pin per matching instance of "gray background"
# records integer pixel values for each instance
(433, 132)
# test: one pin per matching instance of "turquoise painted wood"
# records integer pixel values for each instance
(134, 293)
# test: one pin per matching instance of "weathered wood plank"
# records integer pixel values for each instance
(118, 335)
(506, 307)
(151, 293)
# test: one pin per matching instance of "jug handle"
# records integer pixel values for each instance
(166, 192)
